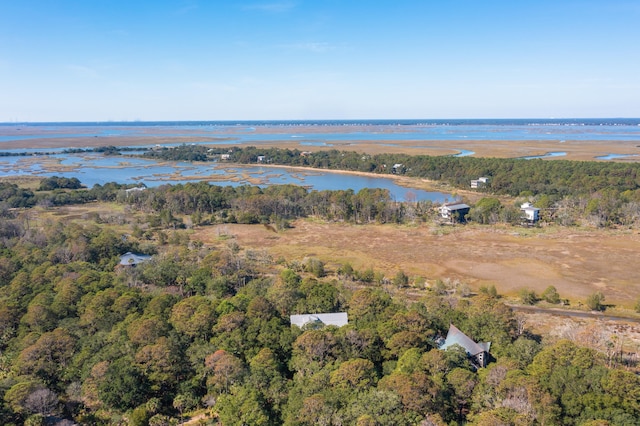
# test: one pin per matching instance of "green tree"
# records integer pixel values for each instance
(123, 385)
(401, 280)
(193, 316)
(377, 407)
(355, 374)
(595, 301)
(49, 356)
(242, 406)
(224, 370)
(487, 210)
(16, 396)
(551, 295)
(316, 267)
(462, 383)
(527, 296)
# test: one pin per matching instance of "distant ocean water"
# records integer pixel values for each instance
(249, 131)
(379, 122)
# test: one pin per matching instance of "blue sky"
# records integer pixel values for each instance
(95, 60)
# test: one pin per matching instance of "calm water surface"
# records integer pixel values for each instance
(620, 129)
(94, 169)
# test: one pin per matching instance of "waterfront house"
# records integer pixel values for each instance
(478, 353)
(530, 214)
(135, 189)
(481, 182)
(398, 169)
(454, 212)
(338, 319)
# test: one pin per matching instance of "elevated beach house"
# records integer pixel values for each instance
(479, 183)
(529, 213)
(478, 352)
(454, 212)
(320, 320)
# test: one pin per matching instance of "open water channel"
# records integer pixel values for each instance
(94, 169)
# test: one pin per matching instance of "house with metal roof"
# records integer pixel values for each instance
(338, 319)
(477, 352)
(530, 214)
(132, 259)
(454, 212)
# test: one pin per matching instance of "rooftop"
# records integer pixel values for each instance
(338, 319)
(457, 337)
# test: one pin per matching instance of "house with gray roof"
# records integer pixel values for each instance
(454, 212)
(477, 352)
(481, 182)
(338, 319)
(530, 214)
(132, 259)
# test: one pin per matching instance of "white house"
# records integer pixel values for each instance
(454, 211)
(338, 319)
(397, 168)
(480, 182)
(135, 189)
(532, 214)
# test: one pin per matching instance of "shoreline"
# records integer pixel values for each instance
(404, 181)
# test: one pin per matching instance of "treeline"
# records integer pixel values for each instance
(106, 150)
(274, 204)
(512, 177)
(279, 204)
(569, 192)
(84, 340)
(206, 203)
(55, 191)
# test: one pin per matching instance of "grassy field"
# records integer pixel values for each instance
(578, 262)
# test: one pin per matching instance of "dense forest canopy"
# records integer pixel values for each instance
(94, 341)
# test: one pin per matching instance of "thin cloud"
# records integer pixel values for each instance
(276, 7)
(187, 7)
(119, 33)
(315, 47)
(213, 87)
(82, 70)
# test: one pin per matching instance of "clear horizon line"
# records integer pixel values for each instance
(299, 120)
